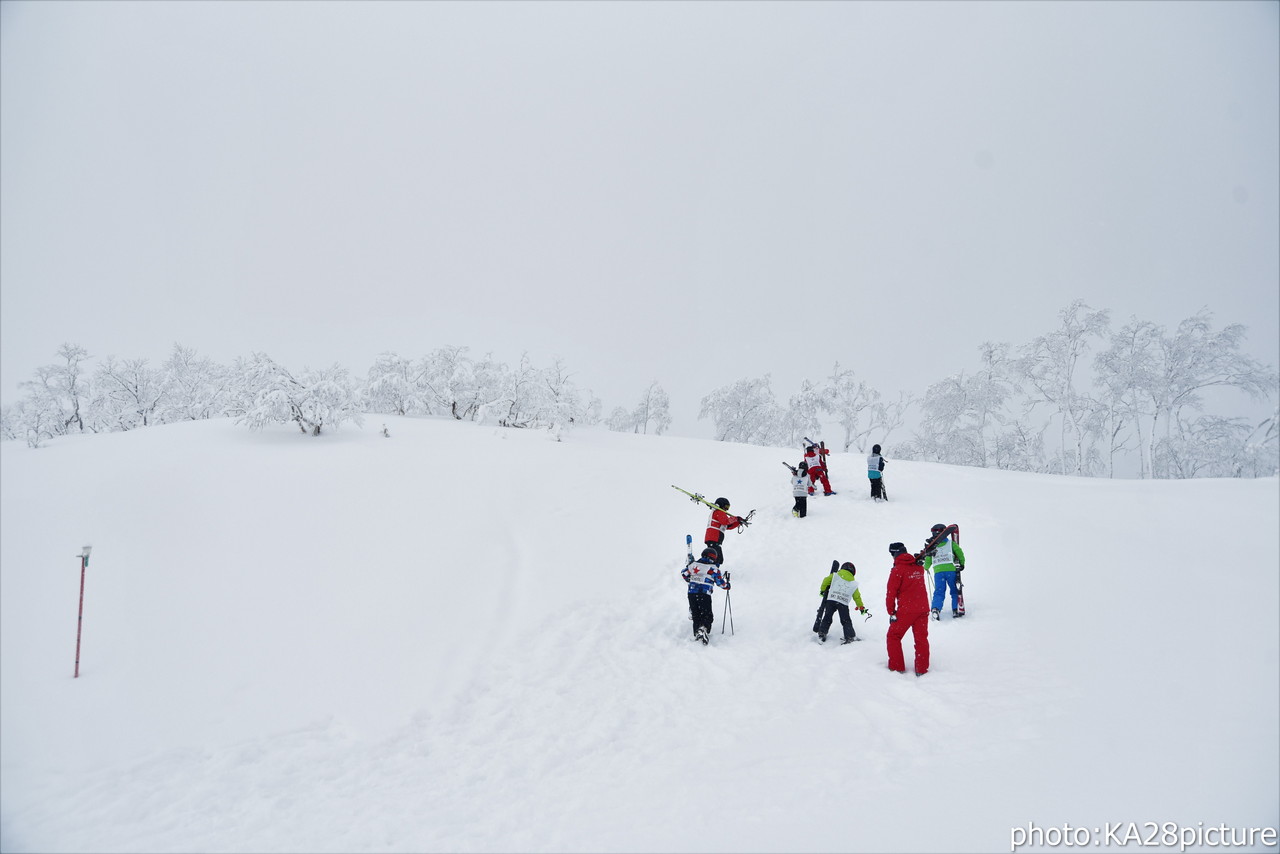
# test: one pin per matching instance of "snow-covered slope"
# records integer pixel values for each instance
(468, 638)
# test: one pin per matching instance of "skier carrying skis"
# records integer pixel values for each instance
(875, 469)
(703, 576)
(907, 602)
(815, 455)
(800, 490)
(718, 523)
(837, 589)
(944, 560)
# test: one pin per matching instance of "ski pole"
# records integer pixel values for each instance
(84, 562)
(728, 607)
(688, 541)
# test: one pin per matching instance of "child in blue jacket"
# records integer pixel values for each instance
(703, 576)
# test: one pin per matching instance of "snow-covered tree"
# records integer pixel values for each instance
(522, 396)
(1108, 421)
(949, 428)
(1260, 454)
(1125, 372)
(1020, 447)
(1157, 380)
(33, 419)
(193, 387)
(126, 394)
(963, 416)
(747, 412)
(1196, 358)
(622, 420)
(850, 400)
(449, 376)
(800, 418)
(591, 409)
(487, 390)
(562, 402)
(653, 409)
(269, 393)
(59, 394)
(1050, 364)
(397, 386)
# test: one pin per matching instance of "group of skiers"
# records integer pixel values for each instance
(907, 599)
(906, 596)
(813, 469)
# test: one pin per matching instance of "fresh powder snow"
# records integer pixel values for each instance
(465, 638)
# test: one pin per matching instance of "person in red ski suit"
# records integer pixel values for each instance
(907, 602)
(816, 457)
(719, 522)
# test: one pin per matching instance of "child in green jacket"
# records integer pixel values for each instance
(945, 560)
(838, 589)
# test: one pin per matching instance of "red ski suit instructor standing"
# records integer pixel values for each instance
(907, 602)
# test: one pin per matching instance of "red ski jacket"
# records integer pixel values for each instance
(904, 593)
(816, 458)
(720, 522)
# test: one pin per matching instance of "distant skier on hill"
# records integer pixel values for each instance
(718, 523)
(944, 560)
(908, 605)
(703, 576)
(816, 456)
(800, 490)
(875, 473)
(838, 588)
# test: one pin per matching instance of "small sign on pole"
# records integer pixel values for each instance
(84, 563)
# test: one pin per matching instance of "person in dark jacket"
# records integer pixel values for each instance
(907, 601)
(875, 473)
(703, 576)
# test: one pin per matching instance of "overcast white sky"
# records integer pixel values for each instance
(687, 192)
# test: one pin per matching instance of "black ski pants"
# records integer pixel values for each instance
(700, 607)
(829, 609)
(802, 505)
(877, 489)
